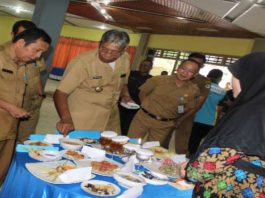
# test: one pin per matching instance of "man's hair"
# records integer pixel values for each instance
(197, 55)
(32, 35)
(115, 36)
(191, 60)
(23, 23)
(148, 60)
(214, 75)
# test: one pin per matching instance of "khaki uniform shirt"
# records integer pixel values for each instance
(163, 96)
(12, 87)
(203, 84)
(32, 100)
(91, 109)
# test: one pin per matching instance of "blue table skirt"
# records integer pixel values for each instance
(20, 183)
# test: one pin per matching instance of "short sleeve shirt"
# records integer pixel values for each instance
(93, 88)
(162, 96)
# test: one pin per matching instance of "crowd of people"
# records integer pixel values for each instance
(227, 155)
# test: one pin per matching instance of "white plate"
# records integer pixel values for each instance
(41, 170)
(88, 141)
(128, 179)
(154, 167)
(156, 178)
(116, 189)
(70, 157)
(130, 105)
(36, 143)
(88, 163)
(45, 155)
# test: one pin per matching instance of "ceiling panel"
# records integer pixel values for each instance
(253, 19)
(174, 17)
(218, 7)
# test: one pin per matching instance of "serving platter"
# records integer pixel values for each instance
(100, 188)
(107, 167)
(50, 171)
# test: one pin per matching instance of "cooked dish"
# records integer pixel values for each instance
(169, 167)
(101, 189)
(104, 167)
(39, 143)
(74, 154)
(88, 140)
(71, 143)
(130, 178)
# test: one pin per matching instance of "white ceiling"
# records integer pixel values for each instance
(248, 14)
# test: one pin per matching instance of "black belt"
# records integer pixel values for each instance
(157, 117)
(249, 167)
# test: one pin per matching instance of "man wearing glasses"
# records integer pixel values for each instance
(87, 96)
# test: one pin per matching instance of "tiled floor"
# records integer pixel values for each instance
(49, 116)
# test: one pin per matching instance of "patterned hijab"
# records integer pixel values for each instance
(243, 127)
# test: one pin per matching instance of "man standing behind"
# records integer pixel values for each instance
(136, 79)
(87, 96)
(183, 127)
(34, 91)
(26, 46)
(165, 100)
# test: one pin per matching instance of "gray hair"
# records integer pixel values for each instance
(115, 36)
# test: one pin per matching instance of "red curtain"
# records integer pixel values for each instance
(68, 48)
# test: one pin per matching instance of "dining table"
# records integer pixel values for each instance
(20, 183)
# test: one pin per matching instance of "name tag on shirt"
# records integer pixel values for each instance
(7, 71)
(123, 75)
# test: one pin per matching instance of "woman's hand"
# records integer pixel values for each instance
(183, 166)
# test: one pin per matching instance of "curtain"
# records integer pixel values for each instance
(68, 48)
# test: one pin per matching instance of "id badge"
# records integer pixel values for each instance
(180, 109)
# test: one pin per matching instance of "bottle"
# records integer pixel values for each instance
(181, 107)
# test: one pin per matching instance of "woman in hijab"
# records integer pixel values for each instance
(231, 160)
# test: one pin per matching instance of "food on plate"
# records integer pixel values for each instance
(149, 175)
(38, 143)
(71, 144)
(74, 154)
(55, 172)
(88, 140)
(101, 189)
(104, 167)
(169, 167)
(130, 178)
(160, 152)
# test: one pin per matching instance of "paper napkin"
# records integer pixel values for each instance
(94, 153)
(129, 166)
(76, 175)
(133, 192)
(53, 138)
(150, 144)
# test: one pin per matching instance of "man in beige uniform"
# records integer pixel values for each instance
(164, 100)
(27, 46)
(87, 96)
(34, 91)
(183, 128)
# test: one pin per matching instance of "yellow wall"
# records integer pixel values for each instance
(213, 45)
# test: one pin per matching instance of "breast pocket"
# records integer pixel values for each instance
(7, 74)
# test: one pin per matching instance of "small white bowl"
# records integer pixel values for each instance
(71, 144)
(144, 154)
(120, 139)
(108, 134)
(131, 147)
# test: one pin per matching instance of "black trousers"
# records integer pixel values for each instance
(198, 132)
(126, 117)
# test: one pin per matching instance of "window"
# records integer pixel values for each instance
(168, 60)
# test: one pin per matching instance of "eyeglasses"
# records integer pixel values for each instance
(110, 51)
